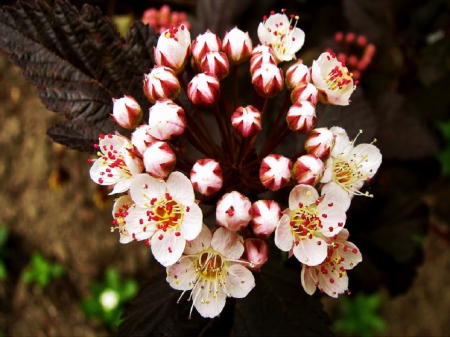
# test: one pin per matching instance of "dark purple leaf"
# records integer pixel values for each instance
(79, 61)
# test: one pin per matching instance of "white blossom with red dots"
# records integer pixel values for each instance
(211, 270)
(165, 215)
(308, 222)
(331, 275)
(234, 211)
(120, 211)
(282, 35)
(173, 48)
(117, 163)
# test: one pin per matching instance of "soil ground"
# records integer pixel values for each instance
(68, 222)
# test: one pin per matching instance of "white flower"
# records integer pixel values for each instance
(120, 211)
(331, 276)
(284, 39)
(173, 48)
(350, 166)
(333, 80)
(211, 271)
(308, 222)
(117, 163)
(165, 213)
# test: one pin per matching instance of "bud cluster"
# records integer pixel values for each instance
(164, 208)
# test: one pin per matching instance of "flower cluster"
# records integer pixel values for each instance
(172, 169)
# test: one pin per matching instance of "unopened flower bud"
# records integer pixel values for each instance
(266, 214)
(268, 80)
(305, 92)
(275, 171)
(141, 139)
(320, 142)
(308, 170)
(206, 176)
(256, 252)
(126, 112)
(333, 80)
(161, 83)
(167, 120)
(297, 74)
(237, 45)
(260, 56)
(215, 63)
(204, 90)
(159, 160)
(246, 121)
(173, 48)
(301, 117)
(203, 44)
(234, 211)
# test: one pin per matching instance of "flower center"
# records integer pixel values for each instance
(338, 78)
(210, 265)
(167, 213)
(347, 173)
(283, 34)
(304, 222)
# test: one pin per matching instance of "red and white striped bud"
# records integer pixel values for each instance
(161, 83)
(204, 90)
(305, 92)
(206, 176)
(256, 252)
(320, 142)
(234, 211)
(173, 48)
(126, 112)
(268, 80)
(159, 160)
(266, 214)
(308, 170)
(275, 171)
(297, 74)
(203, 44)
(215, 63)
(260, 56)
(141, 139)
(246, 121)
(301, 117)
(237, 45)
(167, 120)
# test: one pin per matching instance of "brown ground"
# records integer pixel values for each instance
(65, 225)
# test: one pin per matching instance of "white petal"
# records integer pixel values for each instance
(180, 188)
(307, 279)
(144, 187)
(182, 274)
(283, 234)
(200, 243)
(370, 158)
(167, 247)
(240, 281)
(336, 195)
(342, 142)
(304, 194)
(310, 252)
(139, 231)
(227, 243)
(209, 298)
(192, 222)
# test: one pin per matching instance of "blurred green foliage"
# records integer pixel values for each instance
(108, 298)
(4, 233)
(359, 315)
(41, 272)
(444, 155)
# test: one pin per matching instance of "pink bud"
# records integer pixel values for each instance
(233, 211)
(141, 139)
(275, 171)
(297, 74)
(167, 120)
(266, 214)
(173, 48)
(301, 117)
(260, 56)
(237, 45)
(159, 160)
(206, 176)
(204, 90)
(256, 252)
(215, 63)
(308, 170)
(161, 83)
(268, 80)
(246, 121)
(320, 142)
(126, 112)
(203, 44)
(305, 92)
